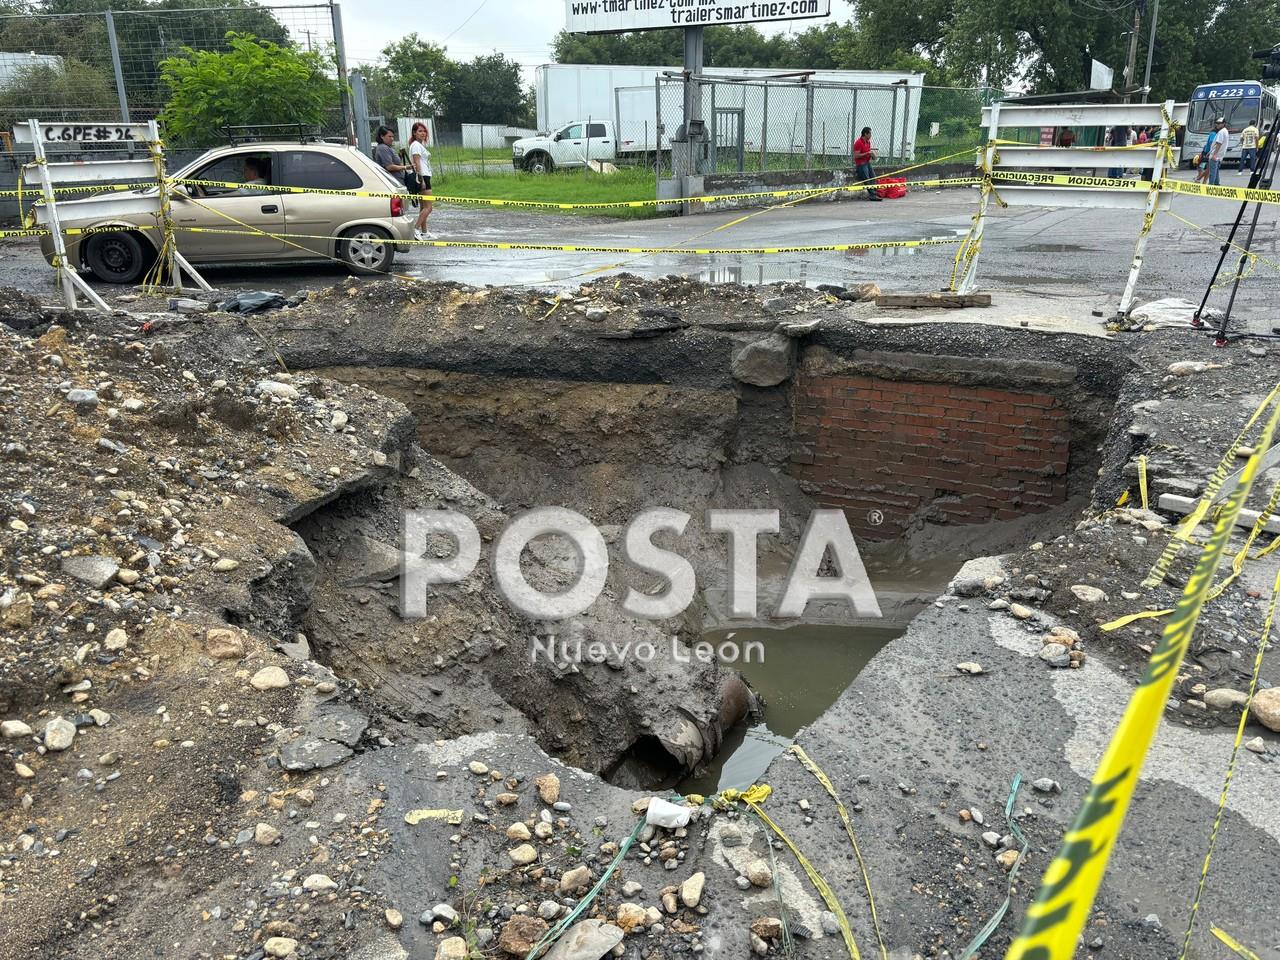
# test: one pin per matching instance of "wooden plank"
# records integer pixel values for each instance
(1184, 505)
(933, 300)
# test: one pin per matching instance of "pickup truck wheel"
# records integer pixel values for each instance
(116, 257)
(367, 250)
(539, 163)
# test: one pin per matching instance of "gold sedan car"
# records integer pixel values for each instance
(252, 223)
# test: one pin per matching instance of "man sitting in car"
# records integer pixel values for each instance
(253, 176)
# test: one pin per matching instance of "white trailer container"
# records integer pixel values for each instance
(740, 111)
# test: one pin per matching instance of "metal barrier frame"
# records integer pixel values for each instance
(108, 172)
(994, 157)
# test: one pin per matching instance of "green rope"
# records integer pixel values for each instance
(554, 934)
(788, 944)
(1018, 835)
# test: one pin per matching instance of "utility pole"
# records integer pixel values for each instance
(1151, 50)
(1131, 64)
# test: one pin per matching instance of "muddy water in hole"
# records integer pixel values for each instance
(806, 667)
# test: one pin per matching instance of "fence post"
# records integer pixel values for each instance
(893, 119)
(360, 104)
(808, 125)
(764, 132)
(973, 242)
(1153, 202)
(906, 121)
(340, 54)
(115, 65)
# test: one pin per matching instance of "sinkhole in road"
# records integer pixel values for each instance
(936, 449)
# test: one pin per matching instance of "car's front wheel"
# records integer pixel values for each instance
(117, 257)
(539, 163)
(367, 250)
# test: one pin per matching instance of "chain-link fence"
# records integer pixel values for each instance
(779, 125)
(105, 66)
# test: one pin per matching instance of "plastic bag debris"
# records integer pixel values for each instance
(257, 301)
(662, 813)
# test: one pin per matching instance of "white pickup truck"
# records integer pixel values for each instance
(571, 146)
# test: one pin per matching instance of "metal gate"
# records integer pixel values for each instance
(729, 143)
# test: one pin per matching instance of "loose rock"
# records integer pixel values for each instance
(523, 855)
(691, 890)
(548, 788)
(59, 734)
(520, 933)
(1266, 708)
(270, 678)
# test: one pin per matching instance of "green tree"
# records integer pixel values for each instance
(1042, 43)
(147, 32)
(46, 92)
(488, 89)
(254, 82)
(413, 79)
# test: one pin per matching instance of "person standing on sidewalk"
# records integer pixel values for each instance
(384, 154)
(862, 157)
(1248, 147)
(420, 159)
(1216, 150)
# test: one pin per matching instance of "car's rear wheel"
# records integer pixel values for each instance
(367, 250)
(539, 163)
(117, 257)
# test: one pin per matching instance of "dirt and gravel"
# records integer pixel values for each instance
(221, 739)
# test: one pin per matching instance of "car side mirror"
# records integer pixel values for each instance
(559, 137)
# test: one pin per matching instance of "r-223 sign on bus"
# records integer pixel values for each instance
(609, 16)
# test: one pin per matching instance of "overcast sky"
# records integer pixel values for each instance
(520, 29)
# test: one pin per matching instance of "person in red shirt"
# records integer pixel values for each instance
(863, 154)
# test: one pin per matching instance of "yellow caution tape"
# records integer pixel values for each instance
(33, 232)
(1231, 768)
(1130, 618)
(583, 248)
(1054, 921)
(1070, 180)
(600, 205)
(1233, 945)
(1124, 498)
(1142, 481)
(1221, 193)
(827, 785)
(453, 817)
(756, 793)
(1220, 474)
(821, 885)
(1237, 562)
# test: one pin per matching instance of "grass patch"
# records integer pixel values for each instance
(564, 186)
(472, 154)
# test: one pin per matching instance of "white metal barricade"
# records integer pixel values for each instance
(1018, 175)
(154, 203)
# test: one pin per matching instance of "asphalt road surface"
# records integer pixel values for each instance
(1050, 252)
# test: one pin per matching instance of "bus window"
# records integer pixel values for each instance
(1238, 112)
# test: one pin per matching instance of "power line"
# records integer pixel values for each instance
(468, 20)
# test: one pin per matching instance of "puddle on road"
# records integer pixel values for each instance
(806, 667)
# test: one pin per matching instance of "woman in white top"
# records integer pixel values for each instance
(420, 159)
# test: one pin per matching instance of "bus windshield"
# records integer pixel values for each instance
(1238, 112)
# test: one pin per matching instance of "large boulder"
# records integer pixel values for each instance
(766, 362)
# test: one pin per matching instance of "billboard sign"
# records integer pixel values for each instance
(612, 16)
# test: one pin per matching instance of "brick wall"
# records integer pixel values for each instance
(906, 451)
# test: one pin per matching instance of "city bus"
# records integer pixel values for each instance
(1237, 101)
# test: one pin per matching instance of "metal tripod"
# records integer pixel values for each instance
(1262, 178)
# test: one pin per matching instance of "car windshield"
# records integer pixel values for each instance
(1238, 111)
